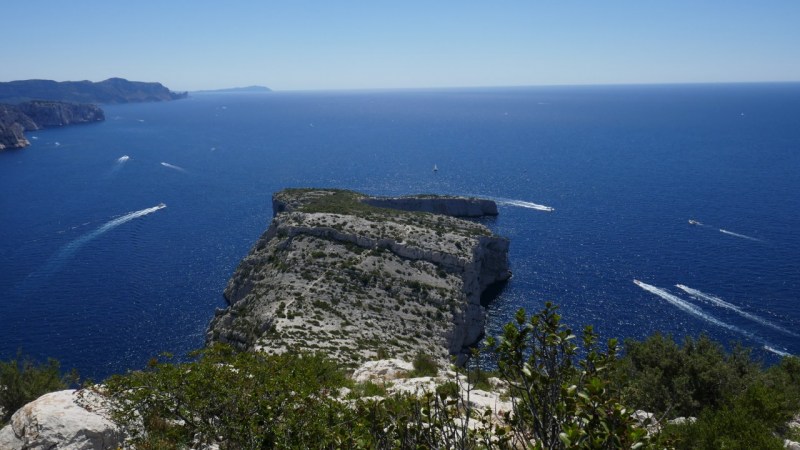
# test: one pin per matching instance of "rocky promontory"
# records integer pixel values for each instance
(112, 90)
(35, 115)
(356, 278)
(35, 104)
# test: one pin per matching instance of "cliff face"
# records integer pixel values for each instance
(15, 119)
(335, 274)
(12, 125)
(113, 90)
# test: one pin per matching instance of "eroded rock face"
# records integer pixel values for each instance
(336, 275)
(66, 420)
(30, 116)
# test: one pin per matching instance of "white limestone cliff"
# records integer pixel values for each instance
(64, 420)
(335, 275)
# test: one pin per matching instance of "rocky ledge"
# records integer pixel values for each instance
(335, 273)
(35, 115)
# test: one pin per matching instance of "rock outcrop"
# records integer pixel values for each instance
(35, 115)
(335, 274)
(66, 420)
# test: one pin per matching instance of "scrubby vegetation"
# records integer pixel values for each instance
(567, 391)
(22, 380)
(738, 404)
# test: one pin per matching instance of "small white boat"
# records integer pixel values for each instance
(694, 222)
(435, 169)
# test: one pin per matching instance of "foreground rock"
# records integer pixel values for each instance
(35, 115)
(336, 275)
(66, 420)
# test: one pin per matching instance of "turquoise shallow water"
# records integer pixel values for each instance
(95, 272)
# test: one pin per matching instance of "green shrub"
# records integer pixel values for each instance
(251, 400)
(561, 400)
(424, 366)
(664, 378)
(23, 380)
(732, 427)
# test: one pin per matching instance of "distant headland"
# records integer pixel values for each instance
(243, 90)
(28, 105)
(110, 91)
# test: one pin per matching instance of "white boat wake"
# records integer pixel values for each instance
(723, 304)
(174, 167)
(731, 233)
(776, 351)
(73, 246)
(57, 261)
(687, 307)
(520, 203)
(119, 165)
(697, 312)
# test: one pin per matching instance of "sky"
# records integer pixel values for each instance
(344, 44)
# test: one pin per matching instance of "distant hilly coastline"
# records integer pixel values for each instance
(110, 91)
(28, 105)
(245, 89)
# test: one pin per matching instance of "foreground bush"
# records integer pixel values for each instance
(738, 404)
(23, 380)
(250, 400)
(560, 400)
(567, 392)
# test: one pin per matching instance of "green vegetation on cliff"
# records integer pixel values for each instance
(567, 392)
(23, 380)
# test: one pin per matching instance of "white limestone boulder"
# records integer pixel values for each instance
(63, 420)
(382, 370)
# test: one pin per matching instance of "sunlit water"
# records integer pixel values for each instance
(119, 237)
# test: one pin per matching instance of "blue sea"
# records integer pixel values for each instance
(118, 238)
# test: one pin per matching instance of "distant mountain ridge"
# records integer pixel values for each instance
(110, 91)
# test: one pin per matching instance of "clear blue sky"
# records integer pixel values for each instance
(342, 44)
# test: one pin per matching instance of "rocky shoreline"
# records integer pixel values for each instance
(35, 115)
(355, 278)
(29, 105)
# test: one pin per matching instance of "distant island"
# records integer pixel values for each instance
(246, 89)
(28, 105)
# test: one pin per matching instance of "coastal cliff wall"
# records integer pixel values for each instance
(112, 90)
(35, 115)
(35, 104)
(335, 274)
